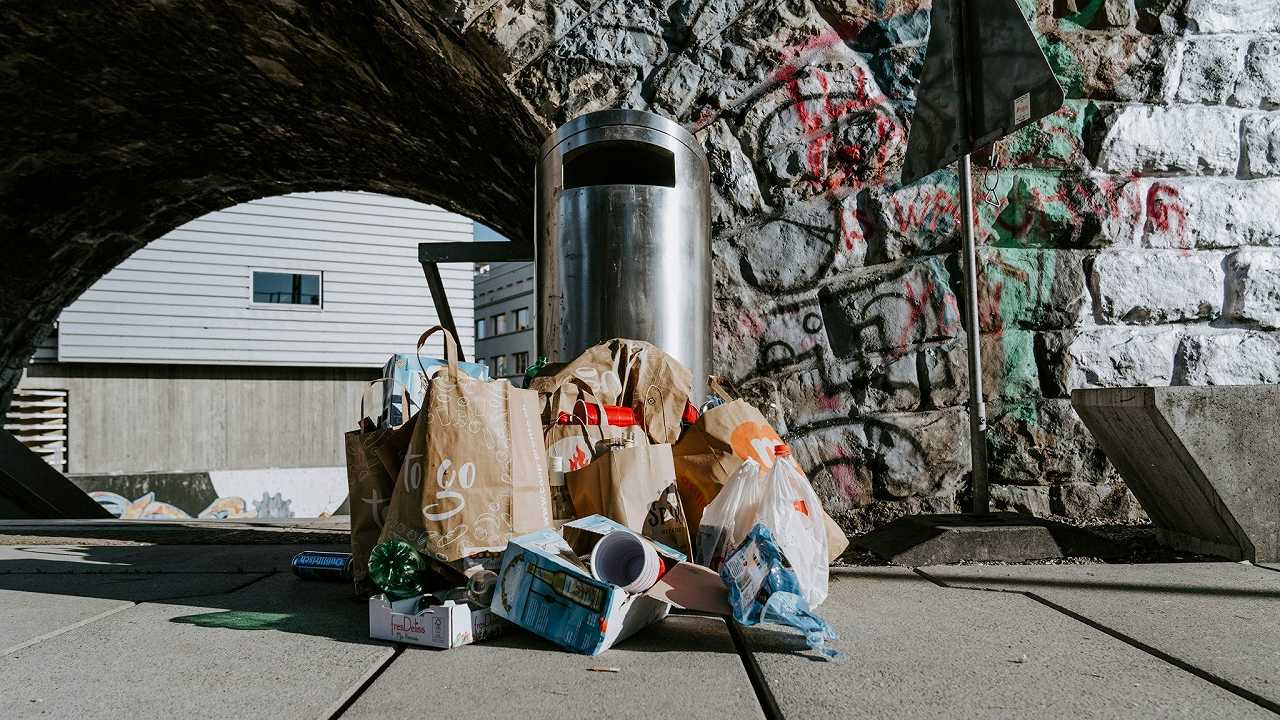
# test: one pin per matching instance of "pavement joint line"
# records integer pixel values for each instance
(79, 624)
(343, 704)
(1177, 662)
(764, 695)
(1266, 567)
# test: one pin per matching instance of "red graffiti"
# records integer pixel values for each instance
(926, 212)
(1167, 214)
(851, 167)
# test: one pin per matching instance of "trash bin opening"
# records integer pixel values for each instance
(619, 162)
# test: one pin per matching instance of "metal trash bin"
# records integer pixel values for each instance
(623, 227)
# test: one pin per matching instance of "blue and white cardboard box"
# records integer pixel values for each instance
(446, 625)
(546, 589)
(409, 375)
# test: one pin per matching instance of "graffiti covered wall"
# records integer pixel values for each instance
(1127, 239)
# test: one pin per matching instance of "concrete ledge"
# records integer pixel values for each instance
(1203, 461)
(918, 540)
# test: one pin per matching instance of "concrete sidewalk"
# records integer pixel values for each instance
(137, 630)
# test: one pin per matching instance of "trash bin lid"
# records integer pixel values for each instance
(634, 118)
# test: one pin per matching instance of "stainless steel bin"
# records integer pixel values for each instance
(623, 231)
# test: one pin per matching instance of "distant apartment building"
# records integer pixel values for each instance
(505, 319)
(228, 357)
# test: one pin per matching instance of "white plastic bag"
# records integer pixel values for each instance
(728, 518)
(791, 510)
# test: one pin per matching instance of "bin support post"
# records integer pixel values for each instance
(435, 284)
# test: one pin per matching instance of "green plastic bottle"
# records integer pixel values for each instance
(398, 569)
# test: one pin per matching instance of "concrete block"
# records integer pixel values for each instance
(922, 651)
(1107, 357)
(1227, 16)
(1259, 82)
(1262, 144)
(1202, 461)
(1229, 358)
(1186, 139)
(1210, 67)
(1222, 618)
(1113, 66)
(1211, 214)
(1150, 287)
(1253, 287)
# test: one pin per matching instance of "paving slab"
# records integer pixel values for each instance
(1223, 618)
(916, 650)
(682, 667)
(1271, 566)
(280, 648)
(36, 606)
(105, 559)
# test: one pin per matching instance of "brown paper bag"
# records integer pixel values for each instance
(624, 372)
(476, 470)
(634, 485)
(373, 460)
(715, 446)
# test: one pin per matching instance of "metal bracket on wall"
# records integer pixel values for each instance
(432, 254)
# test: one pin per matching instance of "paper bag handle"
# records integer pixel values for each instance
(450, 349)
(723, 388)
(364, 394)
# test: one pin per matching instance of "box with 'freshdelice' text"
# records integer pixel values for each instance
(445, 625)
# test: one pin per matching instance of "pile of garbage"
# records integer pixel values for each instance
(581, 508)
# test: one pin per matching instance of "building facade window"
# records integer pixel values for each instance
(522, 319)
(500, 324)
(480, 329)
(500, 366)
(286, 288)
(522, 362)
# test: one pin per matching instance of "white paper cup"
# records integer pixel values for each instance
(625, 559)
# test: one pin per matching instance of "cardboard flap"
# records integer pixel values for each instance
(692, 587)
(582, 535)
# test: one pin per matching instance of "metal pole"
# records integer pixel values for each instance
(441, 300)
(977, 407)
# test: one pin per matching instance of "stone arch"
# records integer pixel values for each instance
(135, 123)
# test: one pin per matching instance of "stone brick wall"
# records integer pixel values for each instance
(1130, 238)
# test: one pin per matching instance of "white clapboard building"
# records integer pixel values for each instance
(215, 370)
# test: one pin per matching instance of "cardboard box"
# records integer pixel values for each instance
(544, 587)
(447, 625)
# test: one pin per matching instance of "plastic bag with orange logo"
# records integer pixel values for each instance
(716, 446)
(791, 510)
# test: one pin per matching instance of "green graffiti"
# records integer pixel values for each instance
(1017, 285)
(238, 620)
(1083, 18)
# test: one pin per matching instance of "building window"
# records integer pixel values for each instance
(522, 319)
(499, 324)
(480, 329)
(284, 288)
(500, 366)
(522, 362)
